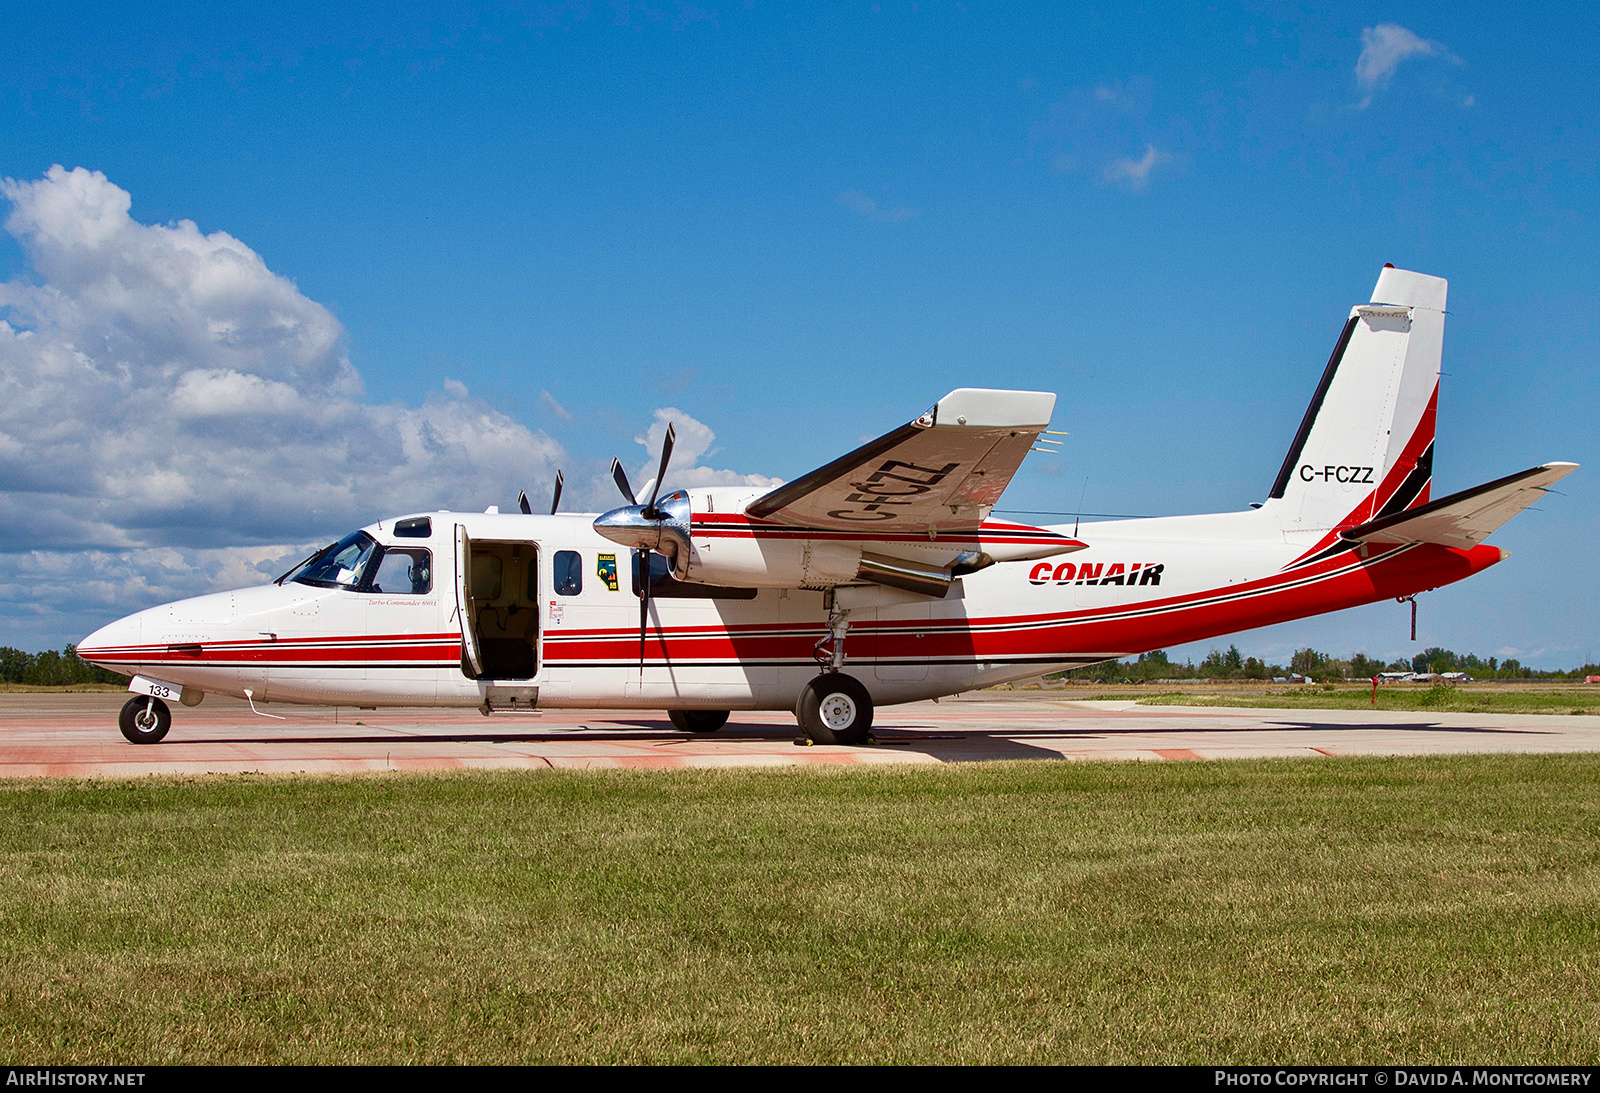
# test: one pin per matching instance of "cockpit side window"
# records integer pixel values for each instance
(406, 571)
(342, 565)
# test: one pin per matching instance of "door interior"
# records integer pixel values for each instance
(500, 598)
(471, 656)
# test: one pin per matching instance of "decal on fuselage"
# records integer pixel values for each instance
(1360, 476)
(1124, 573)
(892, 480)
(605, 567)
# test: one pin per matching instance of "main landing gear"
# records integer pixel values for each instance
(835, 709)
(145, 719)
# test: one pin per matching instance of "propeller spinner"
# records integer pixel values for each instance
(646, 528)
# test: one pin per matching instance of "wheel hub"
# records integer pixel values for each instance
(838, 711)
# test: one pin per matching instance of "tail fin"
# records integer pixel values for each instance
(1365, 447)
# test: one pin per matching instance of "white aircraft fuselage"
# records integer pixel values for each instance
(879, 578)
(1151, 583)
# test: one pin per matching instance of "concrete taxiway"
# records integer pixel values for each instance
(75, 735)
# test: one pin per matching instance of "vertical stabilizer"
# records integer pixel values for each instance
(1365, 446)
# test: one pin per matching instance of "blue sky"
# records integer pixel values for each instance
(520, 232)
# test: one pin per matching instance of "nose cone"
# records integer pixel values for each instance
(113, 642)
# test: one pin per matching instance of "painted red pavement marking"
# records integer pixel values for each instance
(1175, 753)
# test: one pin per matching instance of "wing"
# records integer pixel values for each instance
(940, 473)
(1467, 518)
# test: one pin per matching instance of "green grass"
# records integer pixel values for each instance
(1539, 700)
(1349, 910)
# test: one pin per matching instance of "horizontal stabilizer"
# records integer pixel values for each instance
(1463, 519)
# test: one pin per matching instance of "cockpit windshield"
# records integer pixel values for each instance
(342, 565)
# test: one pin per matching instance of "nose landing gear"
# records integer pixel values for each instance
(145, 719)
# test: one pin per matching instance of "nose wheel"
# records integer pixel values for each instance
(145, 719)
(835, 709)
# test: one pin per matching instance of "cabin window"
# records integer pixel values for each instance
(568, 573)
(414, 527)
(405, 571)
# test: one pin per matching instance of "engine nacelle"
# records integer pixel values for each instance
(710, 540)
(726, 547)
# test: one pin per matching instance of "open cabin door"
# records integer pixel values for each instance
(497, 602)
(471, 654)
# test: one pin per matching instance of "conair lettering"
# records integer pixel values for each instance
(1096, 573)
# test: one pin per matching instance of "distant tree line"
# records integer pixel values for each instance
(1311, 664)
(51, 669)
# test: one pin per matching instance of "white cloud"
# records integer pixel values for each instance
(548, 401)
(176, 418)
(162, 386)
(1383, 48)
(866, 208)
(1088, 132)
(212, 392)
(692, 443)
(1135, 173)
(163, 394)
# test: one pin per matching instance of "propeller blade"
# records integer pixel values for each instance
(522, 503)
(666, 454)
(621, 479)
(555, 502)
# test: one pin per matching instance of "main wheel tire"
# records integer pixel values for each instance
(698, 720)
(144, 720)
(835, 709)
